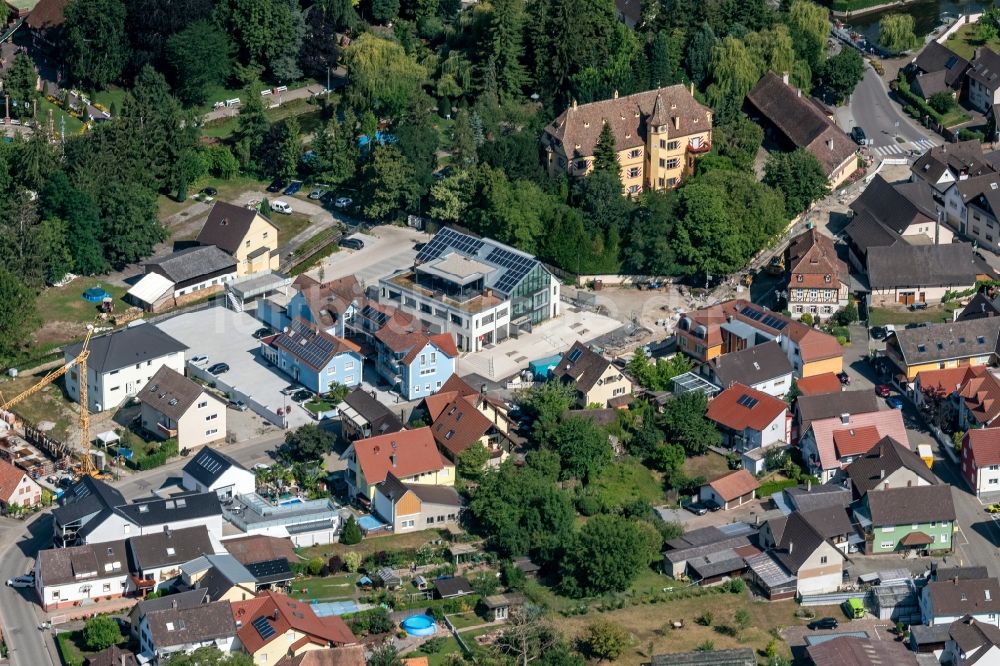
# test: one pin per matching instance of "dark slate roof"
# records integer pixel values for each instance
(971, 635)
(186, 599)
(392, 488)
(986, 68)
(168, 547)
(158, 511)
(830, 521)
(270, 571)
(911, 505)
(941, 342)
(867, 232)
(958, 597)
(905, 265)
(585, 368)
(226, 226)
(817, 497)
(937, 57)
(795, 540)
(193, 262)
(815, 407)
(381, 419)
(113, 656)
(170, 393)
(895, 206)
(880, 461)
(962, 157)
(126, 346)
(61, 566)
(209, 465)
(751, 366)
(733, 657)
(948, 573)
(980, 307)
(453, 587)
(931, 83)
(207, 622)
(445, 495)
(857, 651)
(86, 497)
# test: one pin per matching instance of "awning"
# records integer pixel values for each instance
(917, 539)
(151, 288)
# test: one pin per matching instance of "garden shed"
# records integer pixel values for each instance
(388, 579)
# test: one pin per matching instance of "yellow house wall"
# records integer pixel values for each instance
(261, 234)
(442, 477)
(603, 392)
(278, 648)
(913, 370)
(833, 365)
(844, 171)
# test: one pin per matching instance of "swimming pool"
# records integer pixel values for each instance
(370, 523)
(419, 625)
(291, 500)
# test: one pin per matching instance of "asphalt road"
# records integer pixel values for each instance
(882, 119)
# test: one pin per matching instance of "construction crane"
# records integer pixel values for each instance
(80, 360)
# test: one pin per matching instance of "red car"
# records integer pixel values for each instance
(883, 390)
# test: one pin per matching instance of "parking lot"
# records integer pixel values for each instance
(225, 336)
(387, 249)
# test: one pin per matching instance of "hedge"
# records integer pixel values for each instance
(142, 462)
(916, 101)
(771, 487)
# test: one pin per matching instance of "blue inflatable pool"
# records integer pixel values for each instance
(420, 625)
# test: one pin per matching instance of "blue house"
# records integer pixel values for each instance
(313, 357)
(414, 363)
(330, 306)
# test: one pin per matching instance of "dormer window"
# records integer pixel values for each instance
(586, 124)
(828, 279)
(799, 277)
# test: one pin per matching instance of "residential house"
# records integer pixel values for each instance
(981, 460)
(856, 651)
(407, 507)
(984, 79)
(888, 464)
(415, 364)
(730, 490)
(750, 420)
(178, 600)
(411, 455)
(155, 559)
(184, 276)
(222, 577)
(84, 506)
(168, 631)
(348, 655)
(45, 21)
(945, 601)
(460, 424)
(273, 626)
(798, 560)
(763, 367)
(795, 121)
(946, 68)
(658, 136)
(304, 522)
(809, 408)
(173, 406)
(833, 523)
(245, 235)
(330, 306)
(480, 290)
(943, 386)
(906, 274)
(971, 642)
(824, 384)
(830, 444)
(152, 515)
(362, 416)
(938, 346)
(973, 206)
(948, 163)
(738, 324)
(818, 281)
(113, 656)
(919, 517)
(687, 555)
(314, 358)
(17, 488)
(213, 471)
(372, 317)
(979, 398)
(811, 497)
(981, 306)
(596, 379)
(887, 214)
(74, 574)
(260, 548)
(121, 363)
(734, 657)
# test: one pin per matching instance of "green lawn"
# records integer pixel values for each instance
(228, 190)
(627, 480)
(935, 314)
(709, 465)
(966, 40)
(437, 651)
(222, 128)
(331, 588)
(67, 303)
(289, 226)
(73, 125)
(372, 545)
(317, 406)
(109, 97)
(463, 620)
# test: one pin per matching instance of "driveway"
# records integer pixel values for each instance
(891, 131)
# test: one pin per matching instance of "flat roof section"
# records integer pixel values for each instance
(456, 268)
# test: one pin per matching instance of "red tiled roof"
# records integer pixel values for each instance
(819, 384)
(283, 614)
(984, 443)
(414, 450)
(734, 484)
(982, 397)
(946, 381)
(812, 258)
(458, 426)
(888, 423)
(855, 441)
(10, 477)
(729, 408)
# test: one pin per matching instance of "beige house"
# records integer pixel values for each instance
(597, 380)
(273, 626)
(409, 506)
(244, 234)
(175, 406)
(798, 559)
(658, 135)
(16, 487)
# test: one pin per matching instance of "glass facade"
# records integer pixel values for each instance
(531, 296)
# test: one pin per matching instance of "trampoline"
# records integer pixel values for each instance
(419, 625)
(96, 295)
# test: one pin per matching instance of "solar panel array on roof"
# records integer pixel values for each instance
(574, 355)
(263, 628)
(747, 401)
(446, 239)
(516, 265)
(209, 462)
(769, 320)
(774, 322)
(513, 265)
(748, 311)
(378, 317)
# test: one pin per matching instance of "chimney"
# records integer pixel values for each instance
(274, 615)
(373, 394)
(616, 94)
(784, 78)
(791, 544)
(574, 105)
(799, 91)
(692, 89)
(845, 418)
(881, 474)
(829, 144)
(809, 485)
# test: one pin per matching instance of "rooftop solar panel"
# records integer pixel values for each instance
(263, 628)
(574, 355)
(747, 401)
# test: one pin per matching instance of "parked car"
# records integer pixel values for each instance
(858, 135)
(208, 193)
(219, 368)
(238, 405)
(301, 395)
(343, 202)
(878, 332)
(262, 332)
(293, 187)
(697, 508)
(844, 378)
(328, 198)
(883, 390)
(282, 207)
(276, 185)
(290, 389)
(20, 581)
(895, 402)
(201, 359)
(352, 243)
(918, 306)
(825, 623)
(317, 193)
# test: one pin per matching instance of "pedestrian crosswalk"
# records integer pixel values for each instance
(917, 146)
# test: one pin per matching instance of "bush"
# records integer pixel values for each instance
(101, 632)
(335, 564)
(969, 135)
(736, 586)
(705, 619)
(315, 565)
(352, 562)
(588, 504)
(806, 319)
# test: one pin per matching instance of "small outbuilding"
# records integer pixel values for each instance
(498, 606)
(450, 588)
(730, 490)
(388, 579)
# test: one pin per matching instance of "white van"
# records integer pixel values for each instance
(280, 206)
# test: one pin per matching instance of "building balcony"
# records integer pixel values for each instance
(166, 430)
(477, 303)
(698, 150)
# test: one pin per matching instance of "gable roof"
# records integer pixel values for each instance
(193, 262)
(811, 408)
(227, 225)
(852, 441)
(459, 425)
(163, 510)
(950, 340)
(260, 548)
(979, 307)
(113, 656)
(10, 478)
(753, 365)
(453, 587)
(801, 122)
(183, 626)
(47, 14)
(812, 258)
(817, 497)
(947, 381)
(405, 453)
(857, 651)
(971, 635)
(312, 345)
(734, 484)
(578, 128)
(936, 57)
(740, 408)
(412, 342)
(829, 521)
(981, 395)
(962, 596)
(885, 423)
(158, 549)
(347, 655)
(79, 564)
(208, 466)
(271, 615)
(126, 346)
(170, 393)
(582, 366)
(381, 419)
(795, 539)
(905, 265)
(185, 599)
(821, 384)
(961, 158)
(87, 497)
(328, 301)
(732, 657)
(894, 206)
(887, 456)
(984, 445)
(910, 505)
(986, 68)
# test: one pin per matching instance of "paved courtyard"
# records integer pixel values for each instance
(387, 249)
(226, 336)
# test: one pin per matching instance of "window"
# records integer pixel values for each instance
(349, 379)
(430, 520)
(434, 356)
(822, 560)
(888, 529)
(247, 244)
(407, 523)
(663, 144)
(886, 545)
(412, 302)
(203, 404)
(212, 431)
(455, 319)
(944, 538)
(265, 235)
(635, 152)
(633, 189)
(673, 145)
(673, 163)
(211, 417)
(633, 172)
(425, 308)
(349, 365)
(423, 359)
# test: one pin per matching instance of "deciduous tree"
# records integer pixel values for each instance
(798, 176)
(608, 554)
(388, 183)
(607, 640)
(101, 632)
(95, 47)
(19, 82)
(308, 443)
(583, 447)
(201, 56)
(383, 76)
(684, 423)
(896, 33)
(17, 302)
